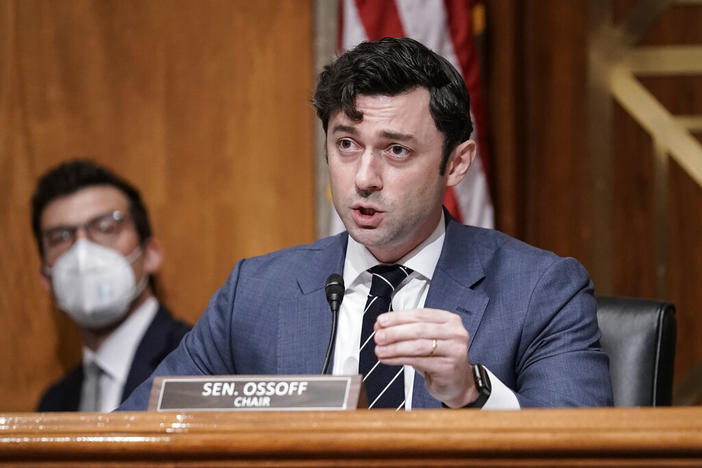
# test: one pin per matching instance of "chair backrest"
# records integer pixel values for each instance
(639, 337)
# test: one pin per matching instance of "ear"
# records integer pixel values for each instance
(153, 256)
(44, 280)
(459, 161)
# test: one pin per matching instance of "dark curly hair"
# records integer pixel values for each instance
(391, 66)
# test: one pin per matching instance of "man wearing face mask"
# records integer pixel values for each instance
(98, 255)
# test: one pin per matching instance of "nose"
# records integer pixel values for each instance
(81, 233)
(369, 174)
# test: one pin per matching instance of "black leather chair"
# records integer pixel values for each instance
(639, 336)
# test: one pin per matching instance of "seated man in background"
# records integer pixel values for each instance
(97, 254)
(434, 311)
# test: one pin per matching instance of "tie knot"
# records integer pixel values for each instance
(386, 278)
(93, 369)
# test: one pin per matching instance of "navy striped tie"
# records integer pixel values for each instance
(384, 384)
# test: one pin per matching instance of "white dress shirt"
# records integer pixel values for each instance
(116, 354)
(411, 294)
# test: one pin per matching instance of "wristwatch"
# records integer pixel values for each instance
(482, 385)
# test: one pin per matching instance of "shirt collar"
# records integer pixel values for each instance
(116, 353)
(422, 259)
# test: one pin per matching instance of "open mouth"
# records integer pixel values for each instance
(366, 217)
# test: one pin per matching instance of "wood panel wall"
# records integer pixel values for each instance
(543, 171)
(681, 95)
(203, 105)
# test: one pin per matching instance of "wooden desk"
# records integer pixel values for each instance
(583, 437)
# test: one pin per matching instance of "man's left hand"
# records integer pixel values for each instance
(435, 343)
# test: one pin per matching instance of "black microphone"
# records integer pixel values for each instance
(334, 289)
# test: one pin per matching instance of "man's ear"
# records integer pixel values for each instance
(459, 161)
(44, 280)
(153, 256)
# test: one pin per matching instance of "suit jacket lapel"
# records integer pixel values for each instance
(152, 348)
(305, 320)
(74, 385)
(459, 269)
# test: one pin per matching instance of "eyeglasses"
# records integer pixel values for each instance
(102, 229)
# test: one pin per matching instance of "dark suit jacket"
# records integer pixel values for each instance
(161, 337)
(531, 316)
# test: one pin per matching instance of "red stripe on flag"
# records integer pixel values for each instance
(340, 24)
(451, 204)
(461, 30)
(380, 19)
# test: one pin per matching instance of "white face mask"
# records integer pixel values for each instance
(94, 285)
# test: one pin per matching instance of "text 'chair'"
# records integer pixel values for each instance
(639, 336)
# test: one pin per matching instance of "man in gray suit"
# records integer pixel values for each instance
(434, 313)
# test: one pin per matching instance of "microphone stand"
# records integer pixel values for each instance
(334, 289)
(335, 316)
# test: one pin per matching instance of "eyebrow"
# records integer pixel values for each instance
(398, 136)
(385, 134)
(344, 128)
